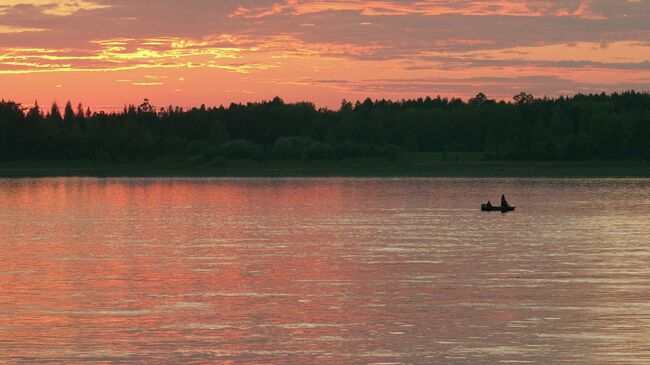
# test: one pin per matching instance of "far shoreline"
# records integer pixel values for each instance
(411, 165)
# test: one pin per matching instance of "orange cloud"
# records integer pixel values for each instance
(6, 29)
(583, 11)
(242, 54)
(119, 54)
(52, 7)
(147, 83)
(423, 7)
(615, 53)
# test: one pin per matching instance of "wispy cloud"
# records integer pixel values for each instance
(53, 7)
(147, 83)
(242, 54)
(6, 29)
(424, 7)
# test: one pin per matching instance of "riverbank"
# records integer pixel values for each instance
(412, 165)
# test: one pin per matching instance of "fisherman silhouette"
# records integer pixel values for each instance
(504, 202)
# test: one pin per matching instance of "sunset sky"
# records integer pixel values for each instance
(106, 53)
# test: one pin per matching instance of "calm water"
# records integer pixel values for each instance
(326, 271)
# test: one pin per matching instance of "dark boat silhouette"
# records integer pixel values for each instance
(497, 208)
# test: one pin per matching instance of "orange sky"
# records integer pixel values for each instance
(106, 53)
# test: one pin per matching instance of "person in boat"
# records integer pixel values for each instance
(489, 205)
(504, 202)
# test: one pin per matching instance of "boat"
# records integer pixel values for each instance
(497, 208)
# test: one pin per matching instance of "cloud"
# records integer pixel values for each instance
(6, 29)
(120, 54)
(499, 87)
(147, 83)
(242, 54)
(625, 52)
(584, 10)
(50, 7)
(423, 7)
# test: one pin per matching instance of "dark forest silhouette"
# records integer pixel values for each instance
(583, 127)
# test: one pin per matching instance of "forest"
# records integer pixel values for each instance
(581, 127)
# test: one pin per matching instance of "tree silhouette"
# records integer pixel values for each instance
(146, 107)
(80, 111)
(595, 126)
(68, 113)
(523, 98)
(55, 113)
(479, 99)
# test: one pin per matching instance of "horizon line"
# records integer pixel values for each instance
(511, 100)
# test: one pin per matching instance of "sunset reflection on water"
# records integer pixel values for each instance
(321, 271)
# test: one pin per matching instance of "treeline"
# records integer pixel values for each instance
(597, 126)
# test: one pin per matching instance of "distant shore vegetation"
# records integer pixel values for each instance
(581, 127)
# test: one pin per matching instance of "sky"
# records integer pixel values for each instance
(108, 53)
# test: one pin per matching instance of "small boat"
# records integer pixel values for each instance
(496, 208)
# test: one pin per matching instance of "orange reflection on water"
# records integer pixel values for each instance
(322, 271)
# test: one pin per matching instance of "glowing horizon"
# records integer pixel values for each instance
(108, 53)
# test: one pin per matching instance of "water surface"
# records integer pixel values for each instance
(327, 271)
